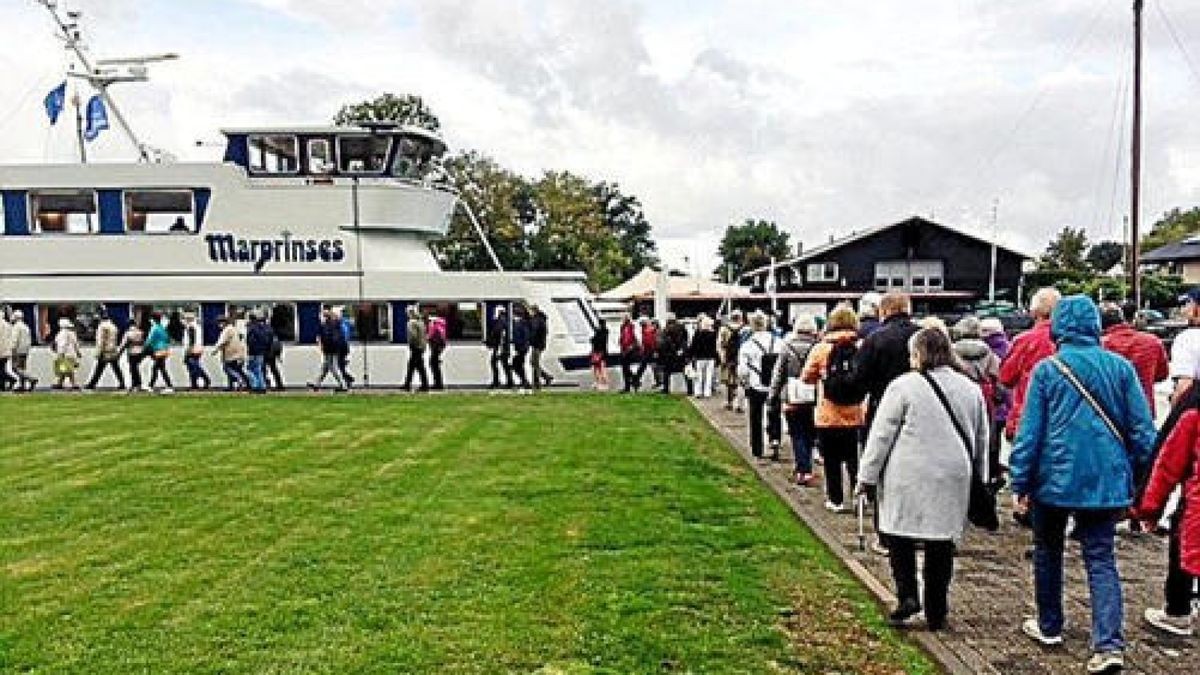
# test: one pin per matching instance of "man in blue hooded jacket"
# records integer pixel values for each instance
(1068, 462)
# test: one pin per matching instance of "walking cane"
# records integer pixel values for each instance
(861, 508)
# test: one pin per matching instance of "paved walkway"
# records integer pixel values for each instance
(993, 585)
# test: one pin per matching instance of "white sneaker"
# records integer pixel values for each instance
(1031, 628)
(1175, 625)
(146, 388)
(879, 549)
(167, 390)
(1106, 662)
(835, 508)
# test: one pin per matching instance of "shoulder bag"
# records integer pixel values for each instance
(981, 509)
(1117, 432)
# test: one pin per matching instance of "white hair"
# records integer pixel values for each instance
(759, 321)
(805, 323)
(1043, 302)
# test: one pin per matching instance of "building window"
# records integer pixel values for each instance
(64, 211)
(363, 154)
(160, 212)
(274, 154)
(917, 276)
(823, 273)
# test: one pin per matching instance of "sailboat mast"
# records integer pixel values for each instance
(1135, 202)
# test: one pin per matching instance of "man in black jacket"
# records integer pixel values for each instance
(539, 335)
(884, 355)
(497, 341)
(882, 358)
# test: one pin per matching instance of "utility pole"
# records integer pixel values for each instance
(995, 234)
(1135, 207)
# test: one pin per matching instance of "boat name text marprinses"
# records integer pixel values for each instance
(226, 248)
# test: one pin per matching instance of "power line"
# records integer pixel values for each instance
(1187, 56)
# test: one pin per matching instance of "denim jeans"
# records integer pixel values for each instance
(803, 432)
(255, 371)
(1095, 530)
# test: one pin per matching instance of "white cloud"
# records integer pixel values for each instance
(828, 117)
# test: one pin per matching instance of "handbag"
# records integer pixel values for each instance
(981, 507)
(800, 392)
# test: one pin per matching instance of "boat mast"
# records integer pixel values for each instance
(70, 34)
(1135, 206)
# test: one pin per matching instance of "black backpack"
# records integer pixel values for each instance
(841, 385)
(331, 336)
(766, 362)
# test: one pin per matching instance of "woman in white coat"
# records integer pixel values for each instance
(919, 461)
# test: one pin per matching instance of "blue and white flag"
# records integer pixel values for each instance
(97, 118)
(55, 101)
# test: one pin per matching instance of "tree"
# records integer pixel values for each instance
(750, 245)
(407, 109)
(1066, 251)
(570, 232)
(1175, 226)
(1105, 255)
(503, 203)
(624, 217)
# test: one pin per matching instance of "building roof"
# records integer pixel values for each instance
(1182, 251)
(824, 249)
(645, 284)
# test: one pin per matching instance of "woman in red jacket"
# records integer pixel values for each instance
(1178, 465)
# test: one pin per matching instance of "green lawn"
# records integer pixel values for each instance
(564, 534)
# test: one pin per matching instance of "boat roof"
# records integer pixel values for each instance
(379, 129)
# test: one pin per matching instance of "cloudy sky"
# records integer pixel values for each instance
(826, 117)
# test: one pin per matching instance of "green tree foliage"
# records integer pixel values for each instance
(751, 244)
(571, 232)
(623, 215)
(1105, 255)
(1066, 251)
(1175, 226)
(407, 109)
(503, 203)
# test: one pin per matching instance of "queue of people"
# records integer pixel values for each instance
(913, 415)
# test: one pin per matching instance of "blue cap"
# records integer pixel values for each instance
(1192, 296)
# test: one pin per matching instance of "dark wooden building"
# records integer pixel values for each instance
(945, 270)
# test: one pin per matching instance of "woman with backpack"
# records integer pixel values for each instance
(797, 398)
(982, 365)
(756, 365)
(930, 433)
(840, 396)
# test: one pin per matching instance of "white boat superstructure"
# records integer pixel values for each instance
(293, 220)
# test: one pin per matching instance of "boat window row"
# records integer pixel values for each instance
(168, 211)
(351, 154)
(293, 322)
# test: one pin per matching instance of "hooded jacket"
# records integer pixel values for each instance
(1064, 455)
(1144, 351)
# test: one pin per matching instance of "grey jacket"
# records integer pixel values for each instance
(981, 362)
(791, 363)
(22, 339)
(916, 458)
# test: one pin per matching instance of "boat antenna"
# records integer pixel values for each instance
(1135, 207)
(104, 73)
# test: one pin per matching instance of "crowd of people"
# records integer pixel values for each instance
(913, 415)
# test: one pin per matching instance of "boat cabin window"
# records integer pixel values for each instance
(369, 322)
(64, 211)
(160, 212)
(85, 316)
(363, 154)
(576, 319)
(409, 162)
(276, 153)
(320, 156)
(280, 316)
(464, 320)
(143, 314)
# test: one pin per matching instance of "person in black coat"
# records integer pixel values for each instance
(539, 337)
(501, 348)
(520, 343)
(884, 355)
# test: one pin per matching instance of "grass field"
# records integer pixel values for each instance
(564, 534)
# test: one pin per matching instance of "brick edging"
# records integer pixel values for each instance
(947, 658)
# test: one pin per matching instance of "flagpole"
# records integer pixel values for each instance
(78, 103)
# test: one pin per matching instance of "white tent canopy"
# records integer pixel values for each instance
(646, 284)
